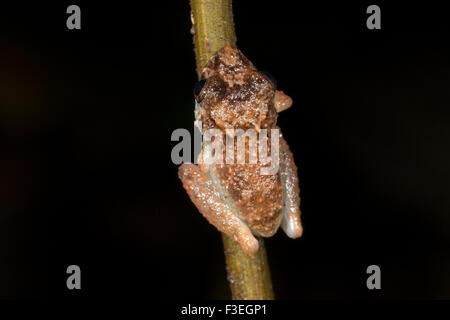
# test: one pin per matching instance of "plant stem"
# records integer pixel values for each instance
(249, 277)
(213, 26)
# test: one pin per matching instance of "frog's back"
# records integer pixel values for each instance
(257, 197)
(236, 96)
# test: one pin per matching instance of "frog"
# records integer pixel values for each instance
(237, 198)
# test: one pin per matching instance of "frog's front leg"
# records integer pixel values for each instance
(290, 222)
(282, 101)
(207, 199)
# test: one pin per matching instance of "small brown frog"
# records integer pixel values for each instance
(237, 198)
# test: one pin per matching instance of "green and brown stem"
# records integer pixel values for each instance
(213, 27)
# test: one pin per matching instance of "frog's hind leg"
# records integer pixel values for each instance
(290, 223)
(282, 101)
(206, 198)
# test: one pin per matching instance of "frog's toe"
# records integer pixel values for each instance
(292, 225)
(282, 101)
(247, 241)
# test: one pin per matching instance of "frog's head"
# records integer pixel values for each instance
(232, 94)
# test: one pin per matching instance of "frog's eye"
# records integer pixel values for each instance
(198, 90)
(269, 77)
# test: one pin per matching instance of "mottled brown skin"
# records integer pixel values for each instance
(237, 198)
(236, 95)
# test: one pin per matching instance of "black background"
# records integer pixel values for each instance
(86, 176)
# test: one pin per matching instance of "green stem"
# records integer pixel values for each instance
(213, 26)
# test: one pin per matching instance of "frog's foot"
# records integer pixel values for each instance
(290, 223)
(282, 101)
(207, 199)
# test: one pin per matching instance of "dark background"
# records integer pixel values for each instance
(86, 176)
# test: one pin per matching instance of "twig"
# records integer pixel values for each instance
(213, 27)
